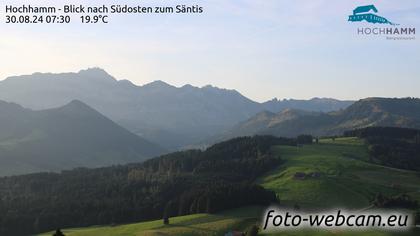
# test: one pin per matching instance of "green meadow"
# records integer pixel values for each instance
(345, 178)
(198, 224)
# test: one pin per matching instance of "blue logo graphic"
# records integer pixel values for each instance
(367, 13)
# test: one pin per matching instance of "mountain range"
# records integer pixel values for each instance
(391, 112)
(171, 116)
(70, 136)
(90, 119)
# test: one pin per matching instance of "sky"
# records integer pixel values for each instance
(264, 49)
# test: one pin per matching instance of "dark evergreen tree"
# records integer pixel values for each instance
(304, 139)
(165, 220)
(391, 146)
(58, 233)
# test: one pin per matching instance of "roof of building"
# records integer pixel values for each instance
(363, 9)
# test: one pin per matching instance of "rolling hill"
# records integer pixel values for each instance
(70, 136)
(391, 112)
(209, 224)
(265, 121)
(196, 224)
(344, 178)
(171, 116)
(176, 184)
(314, 104)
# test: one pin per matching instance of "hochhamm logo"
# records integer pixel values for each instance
(365, 13)
(392, 32)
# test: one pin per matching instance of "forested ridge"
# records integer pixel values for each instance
(392, 146)
(187, 182)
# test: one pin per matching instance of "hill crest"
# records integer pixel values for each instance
(66, 137)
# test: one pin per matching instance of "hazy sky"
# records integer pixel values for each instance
(262, 48)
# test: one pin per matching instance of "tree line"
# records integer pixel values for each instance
(392, 146)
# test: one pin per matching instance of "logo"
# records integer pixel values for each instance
(364, 13)
(389, 29)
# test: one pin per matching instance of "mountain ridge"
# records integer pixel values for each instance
(74, 135)
(374, 111)
(162, 113)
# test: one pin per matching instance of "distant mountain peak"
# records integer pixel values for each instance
(96, 73)
(126, 83)
(10, 105)
(158, 84)
(214, 89)
(189, 86)
(94, 70)
(75, 134)
(211, 87)
(208, 86)
(77, 107)
(77, 103)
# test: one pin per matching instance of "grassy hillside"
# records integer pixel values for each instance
(345, 179)
(204, 224)
(342, 178)
(342, 233)
(197, 224)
